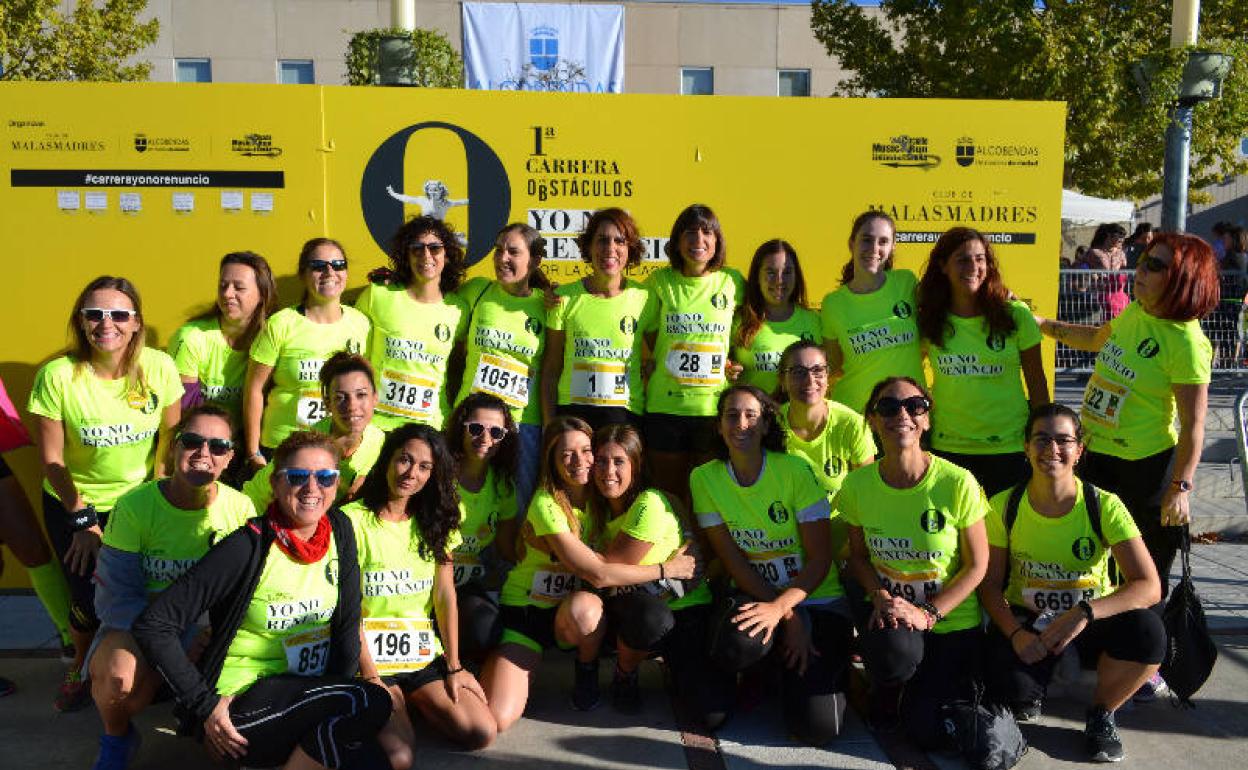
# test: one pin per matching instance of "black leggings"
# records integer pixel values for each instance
(1140, 484)
(480, 626)
(334, 719)
(993, 472)
(82, 615)
(813, 703)
(1136, 636)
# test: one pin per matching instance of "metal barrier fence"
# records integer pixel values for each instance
(1095, 296)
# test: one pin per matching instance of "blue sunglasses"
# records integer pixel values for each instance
(297, 477)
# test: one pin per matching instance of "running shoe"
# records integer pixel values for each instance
(1151, 690)
(1026, 711)
(74, 693)
(626, 692)
(1101, 736)
(117, 752)
(585, 691)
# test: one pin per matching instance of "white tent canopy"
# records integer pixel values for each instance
(1078, 208)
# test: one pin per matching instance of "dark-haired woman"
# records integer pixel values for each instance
(668, 617)
(291, 349)
(100, 411)
(591, 368)
(544, 601)
(977, 340)
(484, 444)
(772, 316)
(1153, 364)
(869, 329)
(1049, 585)
(406, 523)
(917, 549)
(695, 300)
(506, 340)
(276, 683)
(767, 519)
(418, 324)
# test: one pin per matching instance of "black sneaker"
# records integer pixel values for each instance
(585, 691)
(1026, 711)
(1101, 735)
(626, 692)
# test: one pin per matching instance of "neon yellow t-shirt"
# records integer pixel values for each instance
(602, 346)
(110, 434)
(539, 580)
(760, 361)
(845, 441)
(763, 518)
(480, 512)
(409, 346)
(877, 333)
(693, 320)
(260, 486)
(651, 519)
(1057, 562)
(296, 349)
(169, 540)
(914, 535)
(199, 349)
(506, 336)
(1128, 406)
(397, 585)
(978, 402)
(286, 626)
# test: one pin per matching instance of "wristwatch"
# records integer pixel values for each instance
(83, 518)
(1183, 484)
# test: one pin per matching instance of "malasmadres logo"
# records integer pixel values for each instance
(255, 145)
(1017, 154)
(904, 151)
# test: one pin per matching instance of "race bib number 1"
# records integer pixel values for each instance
(696, 364)
(399, 644)
(307, 652)
(407, 395)
(504, 377)
(599, 384)
(1103, 400)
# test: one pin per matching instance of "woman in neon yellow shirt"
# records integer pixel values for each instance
(976, 340)
(772, 316)
(103, 413)
(406, 525)
(869, 329)
(591, 369)
(418, 324)
(506, 340)
(690, 331)
(918, 550)
(291, 349)
(544, 601)
(1051, 538)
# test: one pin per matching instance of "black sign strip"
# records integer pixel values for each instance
(20, 177)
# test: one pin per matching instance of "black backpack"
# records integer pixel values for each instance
(1091, 501)
(985, 735)
(1190, 651)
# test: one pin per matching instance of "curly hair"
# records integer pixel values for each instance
(934, 294)
(624, 223)
(405, 237)
(753, 311)
(697, 216)
(435, 508)
(773, 437)
(303, 439)
(860, 221)
(340, 363)
(506, 457)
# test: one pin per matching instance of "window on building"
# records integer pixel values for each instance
(1243, 146)
(793, 83)
(295, 72)
(194, 71)
(697, 81)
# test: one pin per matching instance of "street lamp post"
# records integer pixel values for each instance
(1184, 22)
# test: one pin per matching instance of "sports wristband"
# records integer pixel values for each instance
(84, 518)
(455, 670)
(930, 609)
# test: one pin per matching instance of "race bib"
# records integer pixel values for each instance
(1057, 596)
(780, 570)
(399, 644)
(504, 377)
(467, 568)
(598, 383)
(310, 409)
(407, 395)
(307, 652)
(552, 586)
(914, 587)
(696, 364)
(1103, 401)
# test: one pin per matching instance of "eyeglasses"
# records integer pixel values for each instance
(116, 314)
(890, 407)
(297, 477)
(800, 372)
(434, 249)
(475, 429)
(321, 265)
(1153, 264)
(216, 446)
(1042, 440)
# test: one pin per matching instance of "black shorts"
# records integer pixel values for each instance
(599, 416)
(677, 433)
(410, 681)
(530, 627)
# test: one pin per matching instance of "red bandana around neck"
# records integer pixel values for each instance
(304, 551)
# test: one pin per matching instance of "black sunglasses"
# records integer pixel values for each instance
(117, 315)
(216, 446)
(433, 248)
(321, 265)
(1153, 264)
(890, 407)
(475, 429)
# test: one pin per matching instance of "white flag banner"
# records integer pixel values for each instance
(544, 47)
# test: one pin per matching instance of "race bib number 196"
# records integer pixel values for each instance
(399, 644)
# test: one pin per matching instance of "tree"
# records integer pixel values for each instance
(1076, 51)
(95, 42)
(434, 63)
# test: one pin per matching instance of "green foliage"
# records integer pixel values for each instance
(434, 62)
(38, 42)
(1076, 51)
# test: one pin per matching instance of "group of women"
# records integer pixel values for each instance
(453, 476)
